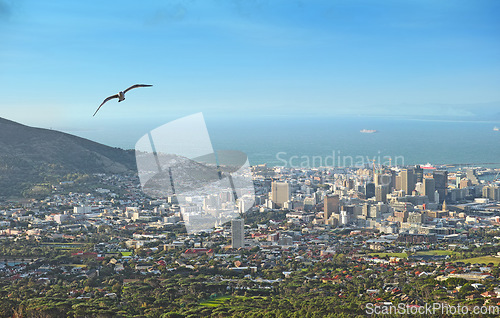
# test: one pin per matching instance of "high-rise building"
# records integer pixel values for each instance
(441, 183)
(280, 193)
(331, 205)
(383, 179)
(393, 180)
(237, 233)
(419, 174)
(472, 176)
(381, 192)
(407, 181)
(491, 192)
(429, 187)
(397, 182)
(369, 190)
(366, 210)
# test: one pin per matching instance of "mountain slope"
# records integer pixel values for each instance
(30, 155)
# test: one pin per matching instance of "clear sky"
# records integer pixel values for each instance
(59, 59)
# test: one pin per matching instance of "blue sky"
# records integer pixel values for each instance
(59, 59)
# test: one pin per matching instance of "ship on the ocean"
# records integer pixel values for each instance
(367, 131)
(428, 166)
(496, 128)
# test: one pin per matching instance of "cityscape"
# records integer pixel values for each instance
(361, 238)
(249, 159)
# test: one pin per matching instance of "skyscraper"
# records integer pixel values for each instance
(441, 183)
(429, 187)
(492, 192)
(370, 190)
(472, 176)
(407, 181)
(237, 233)
(381, 192)
(397, 182)
(419, 174)
(331, 205)
(280, 193)
(383, 179)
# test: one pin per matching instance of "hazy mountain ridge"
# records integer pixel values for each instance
(31, 155)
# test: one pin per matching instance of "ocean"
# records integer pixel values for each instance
(315, 141)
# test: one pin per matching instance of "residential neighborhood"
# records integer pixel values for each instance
(379, 235)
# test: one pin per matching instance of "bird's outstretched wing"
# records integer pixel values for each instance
(109, 98)
(135, 86)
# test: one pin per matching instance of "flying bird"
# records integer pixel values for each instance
(121, 95)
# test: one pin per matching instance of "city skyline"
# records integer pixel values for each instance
(288, 158)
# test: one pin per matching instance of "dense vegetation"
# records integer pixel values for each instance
(334, 287)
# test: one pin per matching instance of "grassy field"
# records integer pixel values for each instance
(215, 302)
(436, 252)
(400, 255)
(481, 260)
(64, 246)
(76, 265)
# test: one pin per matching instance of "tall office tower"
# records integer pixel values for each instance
(491, 192)
(472, 176)
(369, 190)
(392, 186)
(331, 205)
(419, 174)
(237, 233)
(407, 181)
(381, 192)
(441, 183)
(383, 179)
(280, 193)
(429, 187)
(387, 180)
(366, 210)
(398, 184)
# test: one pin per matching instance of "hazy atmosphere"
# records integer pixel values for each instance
(59, 59)
(249, 158)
